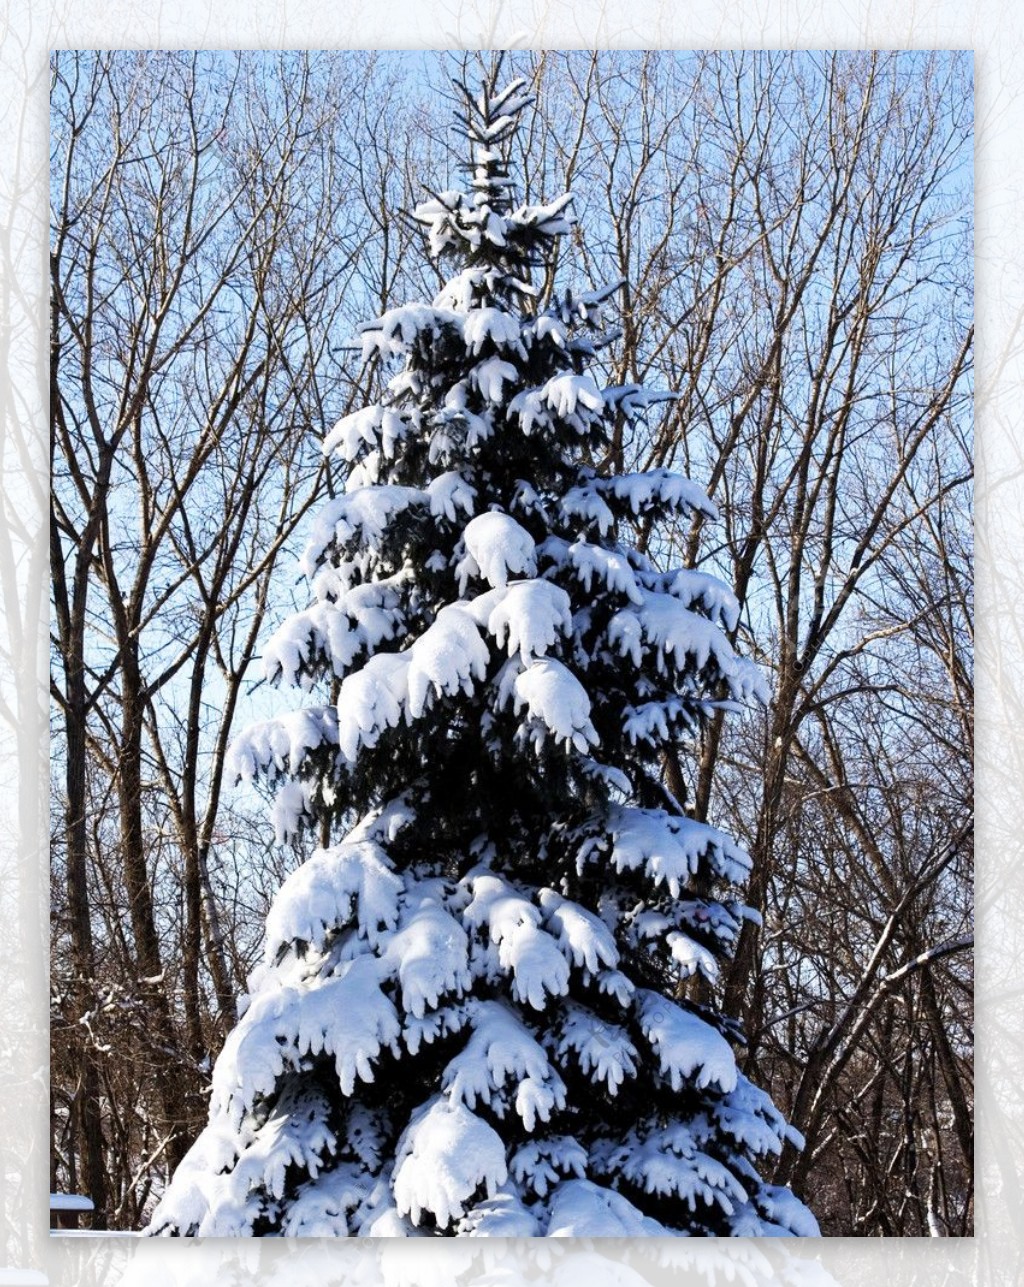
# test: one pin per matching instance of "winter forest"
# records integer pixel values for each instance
(511, 643)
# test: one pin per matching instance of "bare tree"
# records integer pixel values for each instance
(206, 259)
(796, 232)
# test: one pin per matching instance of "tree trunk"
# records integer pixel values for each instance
(174, 1076)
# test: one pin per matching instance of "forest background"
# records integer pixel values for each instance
(796, 234)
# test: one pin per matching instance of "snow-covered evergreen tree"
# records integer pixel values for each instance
(471, 1016)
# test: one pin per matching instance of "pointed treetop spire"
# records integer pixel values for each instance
(483, 229)
(488, 123)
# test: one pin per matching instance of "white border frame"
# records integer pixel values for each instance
(996, 33)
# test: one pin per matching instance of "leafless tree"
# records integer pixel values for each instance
(213, 221)
(794, 231)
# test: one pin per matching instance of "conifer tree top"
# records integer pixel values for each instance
(480, 227)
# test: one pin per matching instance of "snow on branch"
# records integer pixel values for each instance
(658, 492)
(495, 546)
(503, 1065)
(668, 849)
(444, 1156)
(686, 640)
(361, 516)
(377, 427)
(557, 701)
(667, 1161)
(352, 884)
(449, 657)
(329, 637)
(688, 1048)
(603, 1051)
(530, 617)
(278, 747)
(428, 954)
(345, 1015)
